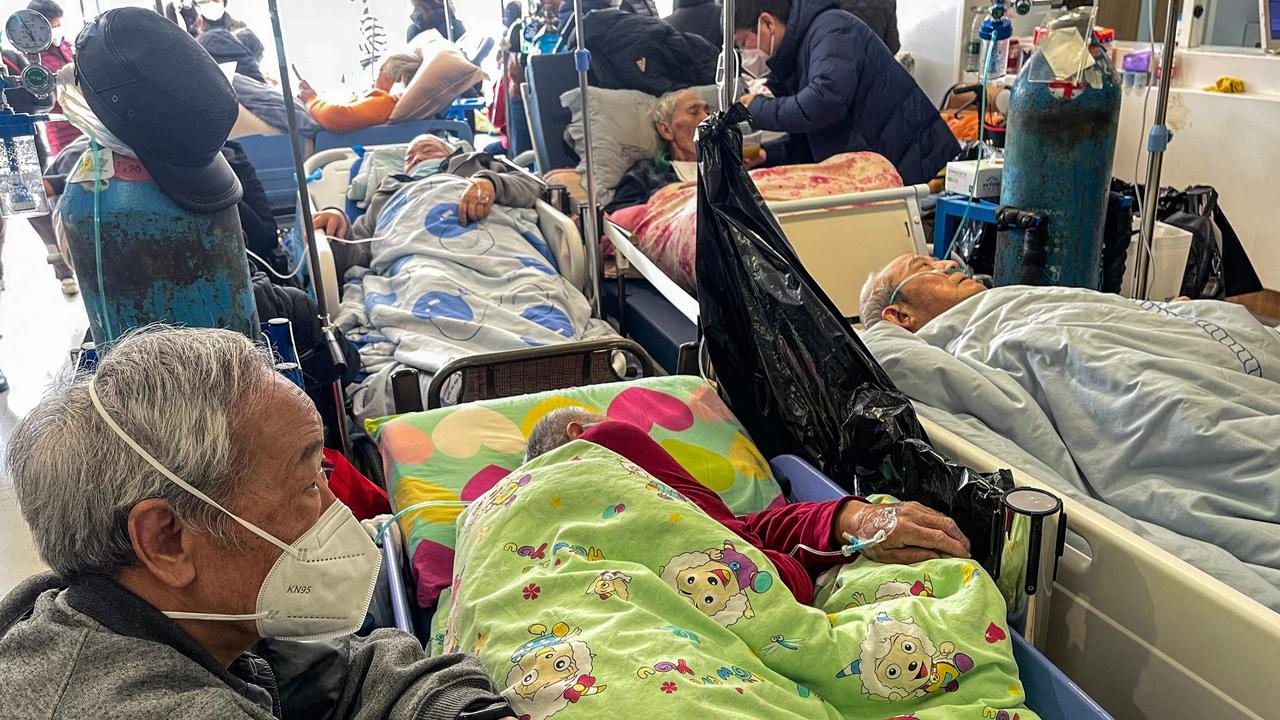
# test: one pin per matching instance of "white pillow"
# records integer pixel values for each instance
(621, 131)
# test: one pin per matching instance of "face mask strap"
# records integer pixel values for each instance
(102, 411)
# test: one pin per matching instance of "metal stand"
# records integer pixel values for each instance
(728, 59)
(590, 223)
(1157, 142)
(448, 20)
(308, 231)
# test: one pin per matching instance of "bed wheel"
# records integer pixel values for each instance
(368, 459)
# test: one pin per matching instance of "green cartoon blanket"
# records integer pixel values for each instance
(591, 590)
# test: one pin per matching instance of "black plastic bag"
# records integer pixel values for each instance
(792, 369)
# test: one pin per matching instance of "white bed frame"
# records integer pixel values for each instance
(1146, 634)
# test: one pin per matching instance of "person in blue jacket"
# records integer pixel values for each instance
(834, 87)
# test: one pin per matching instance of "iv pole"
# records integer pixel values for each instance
(728, 59)
(582, 61)
(448, 20)
(308, 231)
(1157, 141)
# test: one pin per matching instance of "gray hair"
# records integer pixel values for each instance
(666, 107)
(179, 392)
(401, 67)
(874, 298)
(549, 433)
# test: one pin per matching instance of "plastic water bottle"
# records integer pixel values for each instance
(973, 43)
(21, 181)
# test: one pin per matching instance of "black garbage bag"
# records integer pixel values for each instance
(792, 369)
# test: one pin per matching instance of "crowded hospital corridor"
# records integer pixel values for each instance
(574, 359)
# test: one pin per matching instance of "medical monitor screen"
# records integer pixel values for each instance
(1272, 20)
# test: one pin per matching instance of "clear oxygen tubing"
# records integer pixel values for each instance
(97, 239)
(382, 531)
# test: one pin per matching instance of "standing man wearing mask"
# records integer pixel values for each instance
(823, 77)
(180, 499)
(58, 133)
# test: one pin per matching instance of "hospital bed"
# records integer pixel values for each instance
(272, 155)
(1119, 602)
(1049, 692)
(494, 373)
(841, 239)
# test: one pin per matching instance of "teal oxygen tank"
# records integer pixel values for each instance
(1059, 146)
(155, 261)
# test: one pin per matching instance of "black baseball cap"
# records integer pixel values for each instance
(161, 94)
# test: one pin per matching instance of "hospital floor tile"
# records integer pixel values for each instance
(39, 325)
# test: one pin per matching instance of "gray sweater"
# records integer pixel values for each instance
(95, 650)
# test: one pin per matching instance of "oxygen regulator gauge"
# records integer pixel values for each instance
(29, 31)
(37, 80)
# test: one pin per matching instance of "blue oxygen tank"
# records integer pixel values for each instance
(159, 262)
(1059, 149)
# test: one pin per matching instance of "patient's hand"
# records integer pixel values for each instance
(476, 202)
(920, 533)
(757, 160)
(331, 222)
(306, 93)
(423, 148)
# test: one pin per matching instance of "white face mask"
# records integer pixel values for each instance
(320, 586)
(57, 37)
(211, 11)
(755, 61)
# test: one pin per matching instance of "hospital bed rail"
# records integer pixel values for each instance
(1145, 633)
(494, 375)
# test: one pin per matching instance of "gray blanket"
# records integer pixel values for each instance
(1168, 413)
(437, 290)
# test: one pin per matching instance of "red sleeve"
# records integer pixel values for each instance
(808, 523)
(635, 445)
(354, 490)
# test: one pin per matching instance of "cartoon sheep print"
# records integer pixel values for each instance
(549, 672)
(716, 582)
(898, 661)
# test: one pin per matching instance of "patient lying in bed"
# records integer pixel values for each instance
(640, 593)
(918, 533)
(1167, 412)
(657, 199)
(454, 265)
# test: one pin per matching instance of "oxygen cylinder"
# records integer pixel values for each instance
(1059, 148)
(159, 262)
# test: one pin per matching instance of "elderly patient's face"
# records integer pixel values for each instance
(928, 295)
(689, 111)
(284, 493)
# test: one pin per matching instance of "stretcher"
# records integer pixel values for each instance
(1049, 692)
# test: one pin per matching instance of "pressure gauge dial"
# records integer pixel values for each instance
(37, 80)
(29, 31)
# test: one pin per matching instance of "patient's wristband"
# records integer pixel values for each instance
(482, 710)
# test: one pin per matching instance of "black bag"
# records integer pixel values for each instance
(792, 369)
(636, 52)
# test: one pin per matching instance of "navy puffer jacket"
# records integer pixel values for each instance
(840, 90)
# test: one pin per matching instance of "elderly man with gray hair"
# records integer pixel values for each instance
(179, 498)
(675, 118)
(914, 289)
